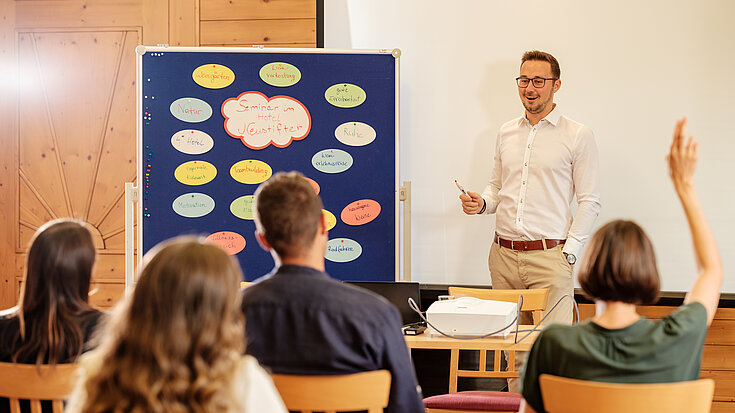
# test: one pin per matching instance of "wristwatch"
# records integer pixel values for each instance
(571, 258)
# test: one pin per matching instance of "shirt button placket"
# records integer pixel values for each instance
(524, 176)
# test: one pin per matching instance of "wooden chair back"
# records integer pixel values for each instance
(561, 394)
(534, 300)
(369, 391)
(23, 382)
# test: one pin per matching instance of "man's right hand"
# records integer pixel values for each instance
(471, 203)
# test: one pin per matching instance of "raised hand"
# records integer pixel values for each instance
(682, 157)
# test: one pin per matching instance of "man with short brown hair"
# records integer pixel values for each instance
(299, 320)
(542, 161)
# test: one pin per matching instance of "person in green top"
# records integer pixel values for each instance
(619, 272)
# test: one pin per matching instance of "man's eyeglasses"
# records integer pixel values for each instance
(538, 82)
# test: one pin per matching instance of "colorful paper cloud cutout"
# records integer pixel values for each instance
(259, 121)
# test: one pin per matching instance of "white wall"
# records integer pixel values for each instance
(629, 69)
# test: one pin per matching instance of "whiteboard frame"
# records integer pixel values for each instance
(131, 275)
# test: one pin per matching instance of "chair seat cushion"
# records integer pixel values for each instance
(476, 400)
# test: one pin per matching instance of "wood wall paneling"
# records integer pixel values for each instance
(105, 294)
(258, 9)
(724, 385)
(249, 32)
(40, 165)
(721, 407)
(117, 149)
(102, 295)
(718, 357)
(184, 22)
(79, 70)
(265, 45)
(90, 13)
(75, 134)
(9, 158)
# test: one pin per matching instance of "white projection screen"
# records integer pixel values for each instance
(629, 69)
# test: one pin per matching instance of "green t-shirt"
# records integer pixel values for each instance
(646, 351)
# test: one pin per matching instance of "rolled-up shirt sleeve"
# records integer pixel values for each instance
(490, 194)
(585, 173)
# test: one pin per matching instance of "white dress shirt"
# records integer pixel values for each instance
(538, 170)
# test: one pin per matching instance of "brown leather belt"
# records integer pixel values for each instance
(534, 245)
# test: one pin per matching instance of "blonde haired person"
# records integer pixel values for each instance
(176, 345)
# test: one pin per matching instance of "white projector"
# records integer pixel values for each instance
(469, 316)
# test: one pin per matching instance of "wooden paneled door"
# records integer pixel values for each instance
(67, 108)
(76, 119)
(69, 144)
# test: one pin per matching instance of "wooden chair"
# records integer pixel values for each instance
(534, 300)
(23, 382)
(564, 395)
(474, 402)
(330, 394)
(486, 401)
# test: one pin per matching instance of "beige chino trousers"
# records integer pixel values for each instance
(510, 269)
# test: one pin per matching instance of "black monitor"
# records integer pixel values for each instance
(397, 293)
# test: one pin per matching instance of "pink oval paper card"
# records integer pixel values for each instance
(231, 242)
(360, 212)
(313, 184)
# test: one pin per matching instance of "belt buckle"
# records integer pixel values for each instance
(522, 245)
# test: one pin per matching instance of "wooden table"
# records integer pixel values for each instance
(495, 344)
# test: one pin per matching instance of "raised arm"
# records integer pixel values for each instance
(682, 161)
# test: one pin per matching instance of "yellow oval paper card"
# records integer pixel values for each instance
(195, 172)
(251, 171)
(330, 218)
(213, 76)
(345, 95)
(242, 207)
(280, 74)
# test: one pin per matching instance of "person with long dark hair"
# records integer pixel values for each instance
(53, 321)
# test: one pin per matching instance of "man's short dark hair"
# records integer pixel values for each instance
(620, 265)
(544, 57)
(287, 212)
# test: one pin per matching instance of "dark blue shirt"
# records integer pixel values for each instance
(301, 321)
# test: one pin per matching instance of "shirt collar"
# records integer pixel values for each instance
(553, 117)
(289, 270)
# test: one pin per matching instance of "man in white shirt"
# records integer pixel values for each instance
(542, 160)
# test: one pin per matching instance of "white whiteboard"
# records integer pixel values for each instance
(629, 69)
